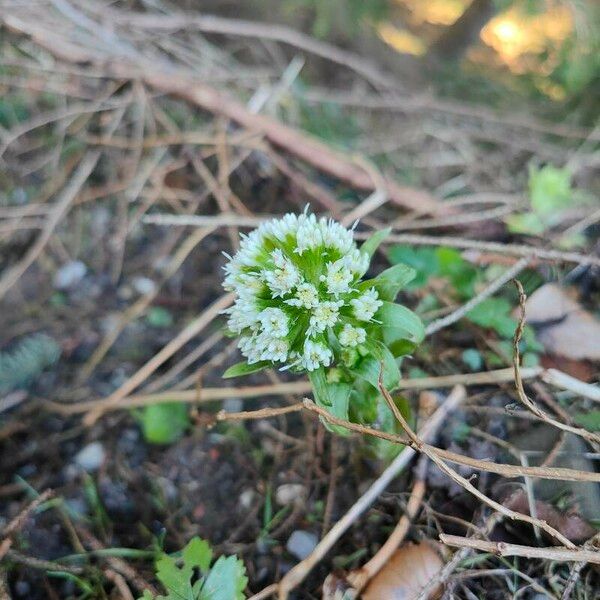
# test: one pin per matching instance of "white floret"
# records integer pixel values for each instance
(338, 278)
(315, 355)
(306, 296)
(274, 349)
(352, 336)
(249, 348)
(308, 235)
(357, 262)
(365, 306)
(324, 315)
(336, 236)
(284, 277)
(275, 322)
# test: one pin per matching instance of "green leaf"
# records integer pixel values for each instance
(370, 246)
(164, 423)
(159, 317)
(389, 282)
(590, 420)
(424, 261)
(243, 368)
(198, 553)
(176, 580)
(549, 189)
(527, 223)
(334, 397)
(386, 421)
(400, 323)
(369, 368)
(226, 580)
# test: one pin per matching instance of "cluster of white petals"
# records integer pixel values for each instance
(295, 281)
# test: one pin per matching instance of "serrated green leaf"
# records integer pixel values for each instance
(198, 553)
(243, 368)
(400, 323)
(389, 282)
(175, 580)
(424, 261)
(370, 246)
(226, 580)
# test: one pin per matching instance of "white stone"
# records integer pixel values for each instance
(290, 493)
(91, 457)
(143, 285)
(301, 543)
(69, 275)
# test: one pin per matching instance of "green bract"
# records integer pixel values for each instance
(301, 304)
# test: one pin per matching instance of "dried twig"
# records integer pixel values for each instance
(536, 410)
(570, 554)
(158, 359)
(297, 574)
(362, 576)
(491, 289)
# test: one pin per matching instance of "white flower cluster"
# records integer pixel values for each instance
(295, 281)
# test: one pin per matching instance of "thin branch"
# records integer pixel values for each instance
(557, 554)
(479, 298)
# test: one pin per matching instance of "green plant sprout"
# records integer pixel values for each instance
(301, 304)
(188, 575)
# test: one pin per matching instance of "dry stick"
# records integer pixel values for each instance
(17, 523)
(195, 327)
(483, 295)
(11, 276)
(536, 410)
(263, 413)
(138, 307)
(567, 382)
(362, 576)
(262, 31)
(534, 254)
(462, 481)
(198, 352)
(511, 249)
(569, 554)
(576, 570)
(297, 574)
(506, 470)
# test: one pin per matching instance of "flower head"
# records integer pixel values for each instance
(295, 283)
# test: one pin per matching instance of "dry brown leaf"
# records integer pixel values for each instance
(565, 328)
(409, 569)
(570, 524)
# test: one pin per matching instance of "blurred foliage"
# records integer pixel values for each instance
(30, 357)
(164, 423)
(550, 196)
(338, 15)
(460, 281)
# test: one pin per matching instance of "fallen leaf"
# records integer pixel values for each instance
(564, 327)
(570, 524)
(407, 571)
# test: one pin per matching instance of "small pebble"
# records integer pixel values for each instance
(69, 275)
(143, 285)
(91, 457)
(290, 493)
(246, 498)
(301, 543)
(232, 405)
